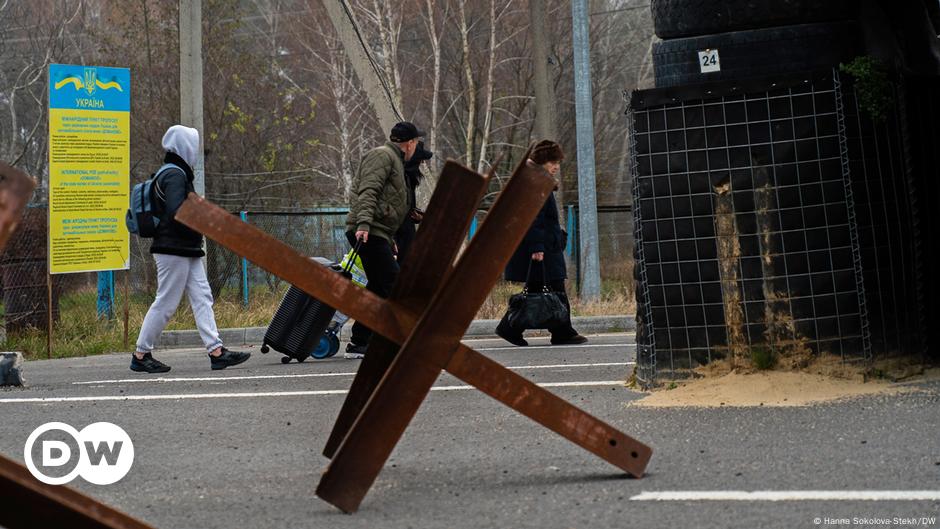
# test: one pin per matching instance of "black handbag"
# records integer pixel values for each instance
(536, 310)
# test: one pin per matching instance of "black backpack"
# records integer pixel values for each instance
(143, 216)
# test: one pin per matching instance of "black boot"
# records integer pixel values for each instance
(564, 333)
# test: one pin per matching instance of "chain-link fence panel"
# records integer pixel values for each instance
(316, 233)
(23, 277)
(88, 309)
(615, 246)
(615, 239)
(28, 291)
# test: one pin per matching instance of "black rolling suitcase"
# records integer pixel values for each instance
(298, 324)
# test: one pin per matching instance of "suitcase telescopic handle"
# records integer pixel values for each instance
(353, 256)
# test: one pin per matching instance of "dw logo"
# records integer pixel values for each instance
(102, 453)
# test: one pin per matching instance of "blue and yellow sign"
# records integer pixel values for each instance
(89, 168)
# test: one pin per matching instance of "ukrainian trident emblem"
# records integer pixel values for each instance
(91, 77)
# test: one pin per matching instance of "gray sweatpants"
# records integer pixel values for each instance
(175, 275)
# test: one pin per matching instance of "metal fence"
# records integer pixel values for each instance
(318, 232)
(615, 240)
(85, 297)
(315, 233)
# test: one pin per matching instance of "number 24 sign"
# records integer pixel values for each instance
(708, 61)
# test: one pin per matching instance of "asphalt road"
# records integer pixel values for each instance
(225, 450)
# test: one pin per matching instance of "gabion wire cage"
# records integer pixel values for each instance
(771, 215)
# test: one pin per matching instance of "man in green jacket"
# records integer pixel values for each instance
(378, 207)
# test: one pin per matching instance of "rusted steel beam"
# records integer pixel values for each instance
(445, 223)
(551, 411)
(15, 190)
(432, 343)
(263, 245)
(491, 378)
(31, 504)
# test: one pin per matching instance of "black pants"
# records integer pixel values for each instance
(381, 270)
(563, 330)
(404, 238)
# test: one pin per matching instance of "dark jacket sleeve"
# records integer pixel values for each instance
(536, 239)
(173, 185)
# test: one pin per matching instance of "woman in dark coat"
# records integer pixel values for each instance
(542, 251)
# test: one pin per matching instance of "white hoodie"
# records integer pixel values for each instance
(184, 141)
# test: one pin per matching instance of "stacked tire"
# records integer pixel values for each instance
(753, 38)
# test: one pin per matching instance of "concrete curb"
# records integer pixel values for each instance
(11, 372)
(478, 329)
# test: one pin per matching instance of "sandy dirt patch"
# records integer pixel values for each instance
(717, 385)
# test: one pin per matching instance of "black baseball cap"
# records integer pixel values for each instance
(404, 131)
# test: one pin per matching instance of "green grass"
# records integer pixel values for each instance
(79, 332)
(616, 298)
(763, 358)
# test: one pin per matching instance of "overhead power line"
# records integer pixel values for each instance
(375, 66)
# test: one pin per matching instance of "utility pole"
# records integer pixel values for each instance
(344, 22)
(191, 81)
(584, 122)
(544, 89)
(377, 91)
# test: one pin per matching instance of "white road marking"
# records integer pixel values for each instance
(311, 375)
(557, 366)
(210, 379)
(546, 385)
(790, 495)
(184, 396)
(605, 335)
(530, 347)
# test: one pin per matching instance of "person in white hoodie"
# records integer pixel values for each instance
(178, 253)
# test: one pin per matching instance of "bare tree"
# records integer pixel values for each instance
(349, 113)
(470, 93)
(464, 79)
(435, 34)
(488, 88)
(35, 35)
